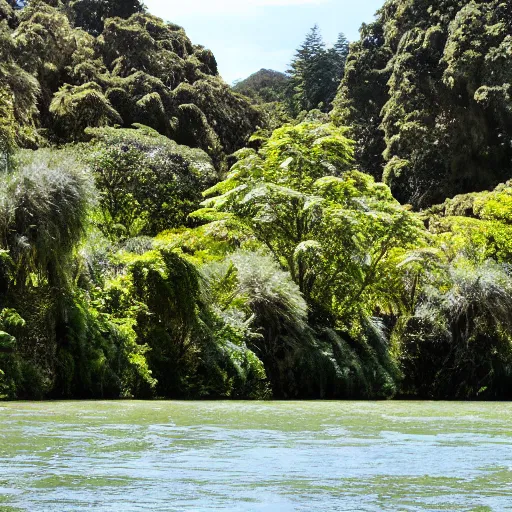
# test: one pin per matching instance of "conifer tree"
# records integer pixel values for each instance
(334, 68)
(304, 83)
(316, 72)
(340, 50)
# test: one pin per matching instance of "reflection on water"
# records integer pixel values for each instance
(259, 456)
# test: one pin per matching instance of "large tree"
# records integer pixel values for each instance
(316, 72)
(341, 236)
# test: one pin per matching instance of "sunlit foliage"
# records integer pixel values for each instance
(428, 86)
(340, 235)
(173, 240)
(67, 66)
(147, 183)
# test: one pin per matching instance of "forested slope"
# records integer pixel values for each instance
(66, 71)
(164, 236)
(427, 94)
(263, 86)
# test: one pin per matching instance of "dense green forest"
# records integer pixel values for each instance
(343, 230)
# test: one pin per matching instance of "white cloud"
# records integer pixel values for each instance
(174, 9)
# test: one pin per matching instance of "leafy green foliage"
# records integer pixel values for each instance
(43, 209)
(63, 346)
(362, 95)
(310, 220)
(269, 92)
(18, 95)
(43, 215)
(147, 183)
(477, 225)
(100, 357)
(455, 341)
(250, 288)
(6, 10)
(341, 236)
(92, 63)
(435, 78)
(167, 289)
(45, 44)
(458, 342)
(10, 321)
(295, 276)
(91, 14)
(264, 86)
(192, 348)
(76, 108)
(7, 130)
(166, 78)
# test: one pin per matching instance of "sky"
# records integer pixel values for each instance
(247, 35)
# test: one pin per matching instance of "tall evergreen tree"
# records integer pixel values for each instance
(342, 46)
(316, 72)
(334, 68)
(303, 89)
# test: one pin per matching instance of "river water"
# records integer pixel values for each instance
(255, 456)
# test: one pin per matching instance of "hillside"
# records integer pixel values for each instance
(264, 86)
(68, 67)
(427, 95)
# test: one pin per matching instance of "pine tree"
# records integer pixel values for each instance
(334, 69)
(304, 83)
(316, 73)
(341, 49)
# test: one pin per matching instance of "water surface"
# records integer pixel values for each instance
(255, 456)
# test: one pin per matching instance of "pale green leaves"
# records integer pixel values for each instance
(336, 235)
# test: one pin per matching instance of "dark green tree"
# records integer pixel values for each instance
(139, 70)
(304, 88)
(91, 14)
(316, 72)
(361, 96)
(19, 92)
(336, 58)
(146, 182)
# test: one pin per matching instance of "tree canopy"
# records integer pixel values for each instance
(316, 72)
(91, 63)
(427, 92)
